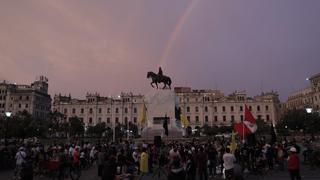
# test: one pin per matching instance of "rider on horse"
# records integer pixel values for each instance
(160, 72)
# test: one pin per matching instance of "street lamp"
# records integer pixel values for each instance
(309, 110)
(8, 115)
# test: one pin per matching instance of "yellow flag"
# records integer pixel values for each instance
(184, 121)
(233, 144)
(143, 115)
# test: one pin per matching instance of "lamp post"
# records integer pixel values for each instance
(8, 115)
(309, 111)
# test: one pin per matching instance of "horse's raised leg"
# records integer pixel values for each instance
(165, 85)
(152, 84)
(157, 85)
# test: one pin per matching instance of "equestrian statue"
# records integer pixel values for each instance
(159, 78)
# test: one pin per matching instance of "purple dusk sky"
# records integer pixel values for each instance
(108, 46)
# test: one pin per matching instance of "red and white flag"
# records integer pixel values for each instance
(248, 126)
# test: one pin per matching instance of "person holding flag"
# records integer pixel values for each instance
(248, 126)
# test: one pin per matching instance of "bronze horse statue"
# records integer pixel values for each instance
(159, 79)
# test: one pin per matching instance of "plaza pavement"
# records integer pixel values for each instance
(91, 174)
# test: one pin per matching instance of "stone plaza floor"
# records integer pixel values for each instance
(91, 174)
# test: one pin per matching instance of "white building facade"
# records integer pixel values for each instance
(32, 98)
(305, 98)
(199, 106)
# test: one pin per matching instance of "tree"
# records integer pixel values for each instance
(299, 120)
(263, 127)
(57, 123)
(134, 128)
(210, 131)
(76, 126)
(97, 130)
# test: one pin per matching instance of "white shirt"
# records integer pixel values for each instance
(20, 157)
(228, 160)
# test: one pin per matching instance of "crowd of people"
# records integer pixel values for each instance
(188, 160)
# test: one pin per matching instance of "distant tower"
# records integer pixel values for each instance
(41, 84)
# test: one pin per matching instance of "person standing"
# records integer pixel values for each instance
(202, 162)
(228, 164)
(100, 161)
(144, 160)
(212, 156)
(294, 164)
(20, 160)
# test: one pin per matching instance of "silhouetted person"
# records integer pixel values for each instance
(160, 72)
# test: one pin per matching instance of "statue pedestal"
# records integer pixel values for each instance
(160, 105)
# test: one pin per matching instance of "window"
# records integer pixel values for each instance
(134, 110)
(82, 110)
(125, 110)
(125, 120)
(197, 109)
(250, 108)
(224, 118)
(188, 109)
(215, 109)
(108, 120)
(0, 97)
(27, 105)
(100, 110)
(19, 105)
(206, 108)
(258, 108)
(268, 117)
(232, 118)
(27, 98)
(135, 119)
(20, 98)
(223, 108)
(90, 110)
(259, 117)
(231, 109)
(73, 110)
(188, 117)
(241, 117)
(206, 119)
(215, 118)
(117, 110)
(99, 120)
(267, 108)
(117, 120)
(197, 118)
(108, 110)
(90, 120)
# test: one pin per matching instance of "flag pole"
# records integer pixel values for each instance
(243, 128)
(242, 132)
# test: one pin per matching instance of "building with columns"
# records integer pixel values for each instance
(201, 107)
(32, 98)
(211, 107)
(95, 108)
(305, 98)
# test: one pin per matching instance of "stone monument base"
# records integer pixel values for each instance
(149, 133)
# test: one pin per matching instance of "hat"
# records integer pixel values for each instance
(293, 149)
(21, 149)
